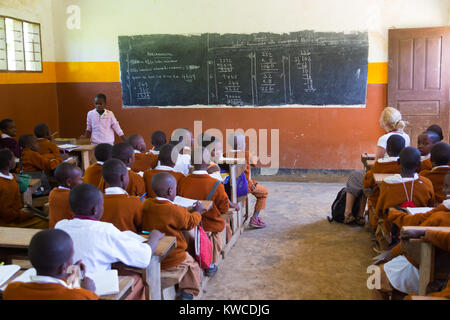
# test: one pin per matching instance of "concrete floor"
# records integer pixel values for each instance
(299, 255)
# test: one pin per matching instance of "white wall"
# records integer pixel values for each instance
(102, 21)
(39, 11)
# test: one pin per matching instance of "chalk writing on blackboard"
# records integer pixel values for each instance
(261, 69)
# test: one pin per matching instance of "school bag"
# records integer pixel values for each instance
(338, 207)
(203, 246)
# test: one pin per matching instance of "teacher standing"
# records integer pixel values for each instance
(101, 123)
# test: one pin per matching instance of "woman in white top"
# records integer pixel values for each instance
(391, 121)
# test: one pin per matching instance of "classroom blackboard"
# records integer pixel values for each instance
(260, 69)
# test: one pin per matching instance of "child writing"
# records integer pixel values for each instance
(162, 214)
(51, 253)
(99, 244)
(101, 123)
(199, 185)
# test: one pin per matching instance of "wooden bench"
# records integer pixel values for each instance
(434, 263)
(169, 280)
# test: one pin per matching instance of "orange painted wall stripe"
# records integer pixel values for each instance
(46, 76)
(87, 72)
(65, 72)
(377, 73)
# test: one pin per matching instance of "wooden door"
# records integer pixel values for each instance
(419, 62)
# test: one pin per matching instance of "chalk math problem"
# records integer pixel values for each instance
(261, 69)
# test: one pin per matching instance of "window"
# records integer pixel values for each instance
(20, 45)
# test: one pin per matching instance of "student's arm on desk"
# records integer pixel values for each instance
(153, 239)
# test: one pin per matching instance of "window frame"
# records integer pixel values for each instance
(23, 44)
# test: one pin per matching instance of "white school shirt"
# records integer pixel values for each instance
(99, 244)
(382, 141)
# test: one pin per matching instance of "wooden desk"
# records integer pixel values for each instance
(433, 262)
(237, 166)
(33, 186)
(379, 177)
(125, 286)
(14, 243)
(87, 152)
(152, 274)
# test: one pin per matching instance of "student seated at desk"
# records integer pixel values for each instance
(401, 218)
(199, 185)
(11, 212)
(46, 147)
(120, 209)
(406, 189)
(257, 190)
(93, 174)
(51, 253)
(32, 160)
(167, 162)
(143, 160)
(162, 214)
(9, 131)
(68, 176)
(395, 145)
(439, 239)
(158, 140)
(184, 140)
(400, 275)
(124, 152)
(99, 244)
(425, 141)
(437, 129)
(440, 158)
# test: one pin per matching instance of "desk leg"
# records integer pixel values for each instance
(153, 279)
(426, 268)
(233, 183)
(85, 160)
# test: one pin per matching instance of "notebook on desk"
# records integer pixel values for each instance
(106, 282)
(6, 272)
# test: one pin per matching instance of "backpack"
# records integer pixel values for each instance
(338, 207)
(203, 246)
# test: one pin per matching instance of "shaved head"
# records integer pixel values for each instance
(42, 130)
(123, 151)
(440, 154)
(166, 157)
(158, 139)
(50, 249)
(66, 171)
(112, 170)
(410, 158)
(437, 129)
(83, 198)
(161, 182)
(103, 152)
(394, 145)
